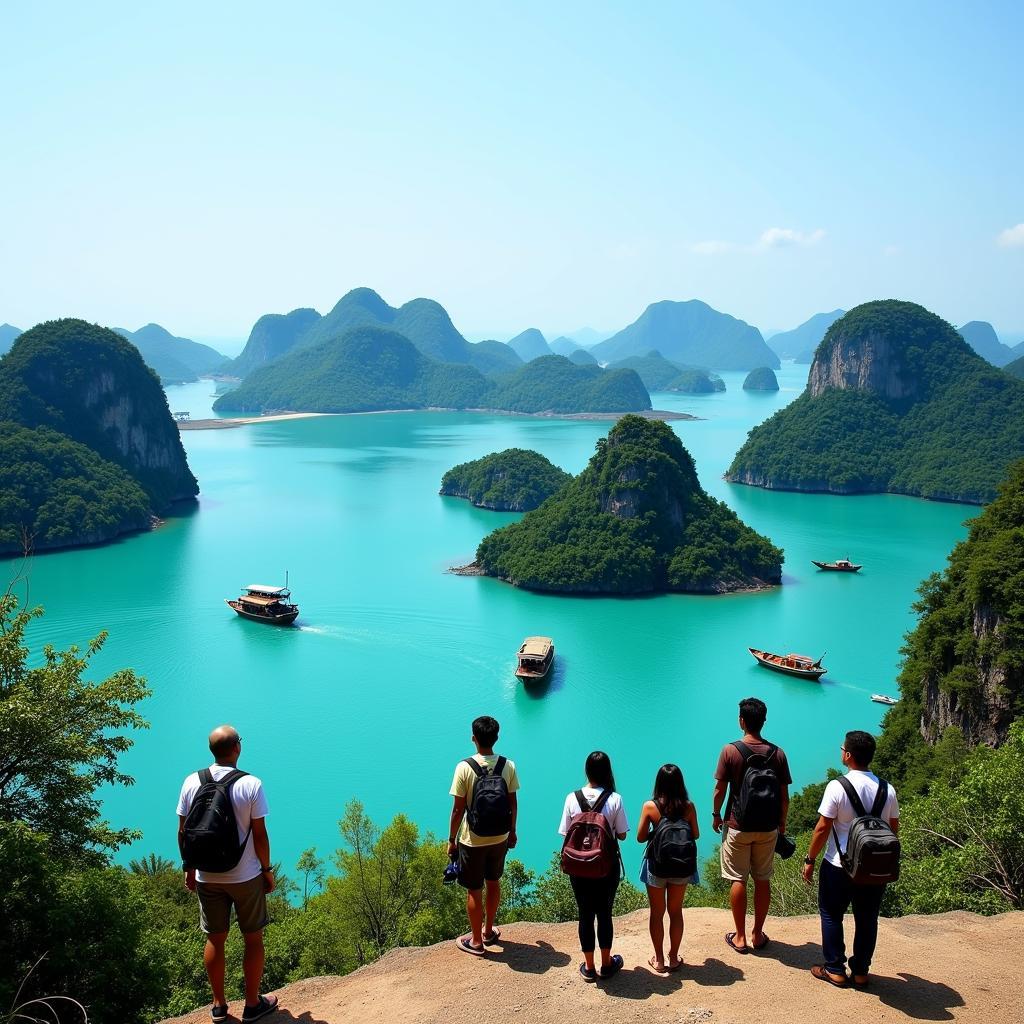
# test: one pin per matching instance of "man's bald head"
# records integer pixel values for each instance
(223, 741)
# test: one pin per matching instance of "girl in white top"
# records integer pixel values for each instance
(596, 896)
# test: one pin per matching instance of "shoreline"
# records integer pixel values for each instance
(227, 423)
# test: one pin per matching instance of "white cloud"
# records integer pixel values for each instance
(770, 238)
(1011, 238)
(774, 238)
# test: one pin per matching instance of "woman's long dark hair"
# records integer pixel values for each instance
(670, 792)
(599, 770)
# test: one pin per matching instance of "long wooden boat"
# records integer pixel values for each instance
(535, 658)
(789, 664)
(271, 605)
(839, 565)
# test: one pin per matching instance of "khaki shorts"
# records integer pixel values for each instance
(217, 898)
(747, 853)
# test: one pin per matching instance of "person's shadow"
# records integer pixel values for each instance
(916, 997)
(284, 1016)
(527, 958)
(642, 982)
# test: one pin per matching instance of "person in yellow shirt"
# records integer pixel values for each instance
(482, 830)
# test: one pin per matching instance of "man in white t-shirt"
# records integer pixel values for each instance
(244, 887)
(836, 890)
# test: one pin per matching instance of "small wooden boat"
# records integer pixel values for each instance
(790, 664)
(839, 565)
(265, 604)
(536, 656)
(881, 698)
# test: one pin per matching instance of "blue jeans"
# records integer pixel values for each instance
(836, 893)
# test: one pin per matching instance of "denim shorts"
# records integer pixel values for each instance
(659, 883)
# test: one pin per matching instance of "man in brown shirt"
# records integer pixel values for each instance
(756, 774)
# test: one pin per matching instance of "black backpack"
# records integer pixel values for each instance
(872, 854)
(757, 803)
(671, 850)
(490, 811)
(209, 840)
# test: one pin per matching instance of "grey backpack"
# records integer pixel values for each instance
(872, 854)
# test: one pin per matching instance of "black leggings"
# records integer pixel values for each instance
(595, 897)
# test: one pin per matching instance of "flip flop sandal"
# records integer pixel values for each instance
(465, 943)
(729, 936)
(671, 969)
(588, 974)
(764, 942)
(218, 1014)
(818, 971)
(490, 940)
(653, 964)
(613, 968)
(261, 1009)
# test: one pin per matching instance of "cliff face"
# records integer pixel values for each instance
(985, 712)
(91, 385)
(867, 363)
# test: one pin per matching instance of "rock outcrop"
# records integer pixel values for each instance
(761, 379)
(956, 966)
(863, 362)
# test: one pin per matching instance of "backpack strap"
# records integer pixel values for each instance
(583, 802)
(499, 765)
(881, 798)
(205, 776)
(602, 800)
(230, 779)
(478, 768)
(854, 796)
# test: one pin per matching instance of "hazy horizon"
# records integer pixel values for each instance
(198, 167)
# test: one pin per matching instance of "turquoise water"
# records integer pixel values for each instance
(373, 695)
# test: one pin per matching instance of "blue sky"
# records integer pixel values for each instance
(527, 164)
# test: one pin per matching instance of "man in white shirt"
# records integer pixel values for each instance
(836, 890)
(243, 887)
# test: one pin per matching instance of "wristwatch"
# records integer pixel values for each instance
(267, 870)
(809, 862)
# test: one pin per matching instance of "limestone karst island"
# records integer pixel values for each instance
(511, 513)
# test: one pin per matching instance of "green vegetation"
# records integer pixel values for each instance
(657, 372)
(371, 368)
(55, 492)
(1015, 368)
(761, 379)
(581, 357)
(691, 333)
(494, 357)
(933, 419)
(635, 520)
(515, 480)
(981, 336)
(556, 384)
(89, 448)
(271, 337)
(693, 381)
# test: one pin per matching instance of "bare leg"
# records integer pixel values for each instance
(252, 966)
(475, 913)
(738, 903)
(493, 902)
(762, 900)
(213, 960)
(656, 896)
(676, 895)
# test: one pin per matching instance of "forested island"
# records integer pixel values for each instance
(661, 374)
(174, 360)
(89, 447)
(515, 480)
(376, 368)
(896, 401)
(636, 520)
(761, 379)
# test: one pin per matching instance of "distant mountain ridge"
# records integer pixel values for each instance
(531, 344)
(8, 333)
(982, 337)
(175, 360)
(795, 344)
(690, 332)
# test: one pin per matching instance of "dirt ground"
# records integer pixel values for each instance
(956, 967)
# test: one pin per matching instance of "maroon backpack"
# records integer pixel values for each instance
(590, 848)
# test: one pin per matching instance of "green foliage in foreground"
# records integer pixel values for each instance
(948, 653)
(952, 439)
(635, 520)
(54, 491)
(514, 480)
